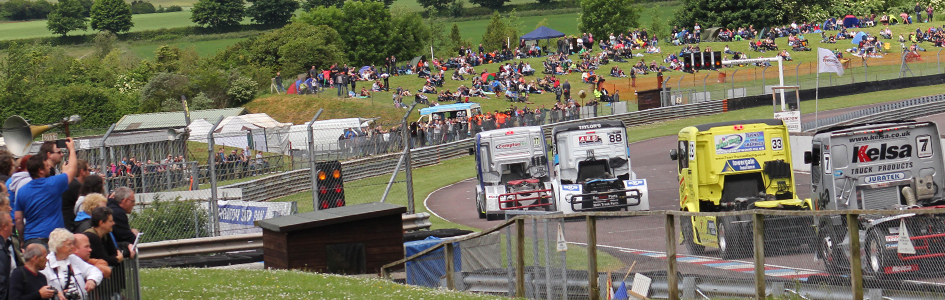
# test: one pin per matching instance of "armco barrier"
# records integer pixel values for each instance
(297, 181)
(912, 108)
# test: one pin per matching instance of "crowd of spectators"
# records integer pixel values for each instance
(61, 237)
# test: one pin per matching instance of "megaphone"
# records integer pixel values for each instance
(176, 134)
(18, 134)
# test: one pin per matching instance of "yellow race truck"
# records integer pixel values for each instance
(733, 166)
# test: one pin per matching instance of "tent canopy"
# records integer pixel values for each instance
(711, 34)
(542, 33)
(859, 37)
(851, 22)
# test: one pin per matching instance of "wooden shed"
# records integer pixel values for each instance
(356, 239)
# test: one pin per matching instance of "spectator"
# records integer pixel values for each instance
(20, 178)
(83, 219)
(92, 184)
(39, 210)
(918, 12)
(71, 195)
(28, 282)
(100, 238)
(121, 204)
(928, 11)
(7, 256)
(7, 165)
(52, 155)
(279, 87)
(66, 272)
(83, 249)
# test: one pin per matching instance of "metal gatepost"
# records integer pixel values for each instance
(214, 208)
(311, 158)
(104, 163)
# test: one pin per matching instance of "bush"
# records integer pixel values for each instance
(20, 10)
(173, 8)
(141, 7)
(171, 219)
(241, 91)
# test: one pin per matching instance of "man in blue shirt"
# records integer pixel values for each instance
(40, 200)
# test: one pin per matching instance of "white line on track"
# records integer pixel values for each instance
(437, 190)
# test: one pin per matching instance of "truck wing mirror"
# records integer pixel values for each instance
(808, 157)
(672, 154)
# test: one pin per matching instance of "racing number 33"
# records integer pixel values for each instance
(777, 144)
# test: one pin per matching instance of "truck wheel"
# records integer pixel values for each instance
(480, 209)
(685, 224)
(876, 254)
(731, 239)
(828, 255)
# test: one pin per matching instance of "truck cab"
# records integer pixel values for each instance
(889, 165)
(734, 166)
(512, 171)
(592, 169)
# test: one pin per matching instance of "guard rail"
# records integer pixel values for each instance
(913, 108)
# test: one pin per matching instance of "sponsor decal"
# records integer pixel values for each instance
(884, 151)
(741, 142)
(634, 182)
(242, 215)
(892, 238)
(880, 136)
(587, 140)
(901, 269)
(885, 177)
(509, 145)
(743, 164)
(882, 168)
(711, 226)
(571, 187)
(588, 126)
(838, 173)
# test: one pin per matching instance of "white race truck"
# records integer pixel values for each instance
(592, 169)
(512, 171)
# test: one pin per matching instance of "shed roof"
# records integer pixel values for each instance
(330, 216)
(174, 119)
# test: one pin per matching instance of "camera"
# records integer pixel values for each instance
(72, 294)
(61, 144)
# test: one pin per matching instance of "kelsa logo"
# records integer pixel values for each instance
(509, 145)
(869, 153)
(729, 142)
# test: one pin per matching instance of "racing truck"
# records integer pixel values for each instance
(512, 171)
(735, 166)
(894, 165)
(592, 169)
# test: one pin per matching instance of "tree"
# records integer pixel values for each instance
(437, 4)
(306, 45)
(658, 26)
(65, 17)
(492, 4)
(217, 13)
(111, 15)
(366, 31)
(321, 15)
(737, 13)
(602, 17)
(310, 4)
(272, 12)
(499, 31)
(456, 40)
(409, 36)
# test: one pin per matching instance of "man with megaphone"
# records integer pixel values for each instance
(39, 203)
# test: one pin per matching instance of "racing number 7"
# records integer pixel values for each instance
(923, 143)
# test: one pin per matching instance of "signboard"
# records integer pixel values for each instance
(740, 142)
(239, 217)
(792, 119)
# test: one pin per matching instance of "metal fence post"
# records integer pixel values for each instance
(564, 265)
(797, 73)
(104, 163)
(856, 271)
(593, 289)
(704, 88)
(866, 71)
(938, 59)
(450, 266)
(214, 215)
(405, 135)
(520, 257)
(671, 278)
(763, 71)
(311, 159)
(733, 83)
(547, 259)
(759, 241)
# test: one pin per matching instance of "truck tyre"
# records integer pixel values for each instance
(480, 207)
(685, 224)
(732, 239)
(877, 257)
(826, 251)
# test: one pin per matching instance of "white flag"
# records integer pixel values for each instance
(828, 62)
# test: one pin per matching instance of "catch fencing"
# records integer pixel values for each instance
(768, 255)
(742, 81)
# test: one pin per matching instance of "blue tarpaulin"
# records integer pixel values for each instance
(851, 22)
(542, 33)
(427, 270)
